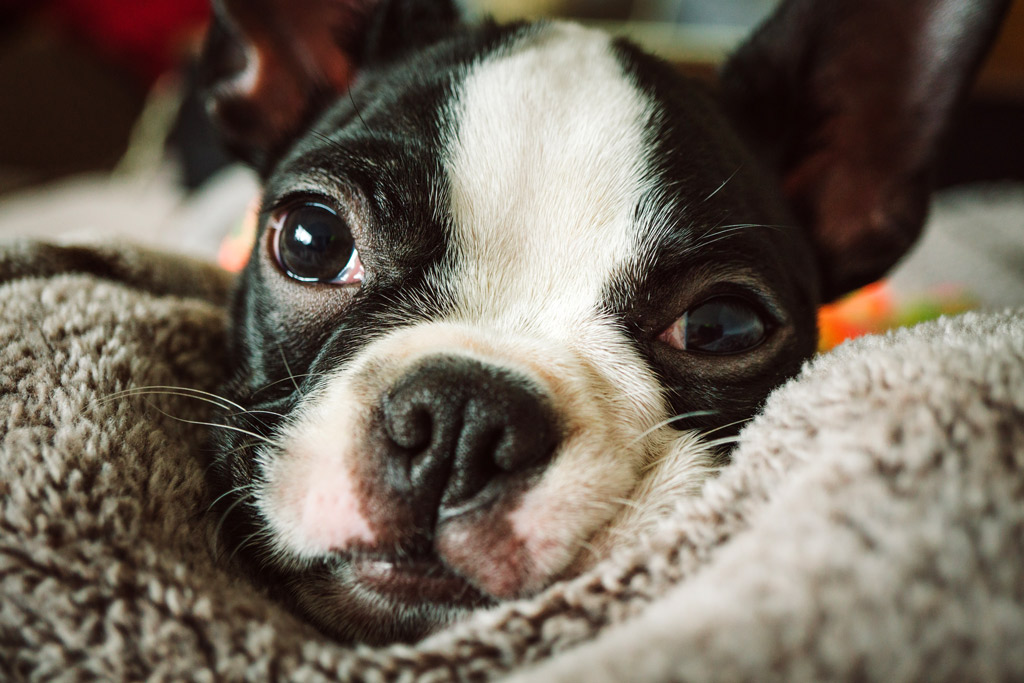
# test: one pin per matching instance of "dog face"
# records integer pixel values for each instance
(507, 276)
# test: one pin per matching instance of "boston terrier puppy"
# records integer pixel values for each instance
(513, 283)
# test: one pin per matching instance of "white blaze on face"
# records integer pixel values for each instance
(547, 166)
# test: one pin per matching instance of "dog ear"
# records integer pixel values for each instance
(270, 66)
(848, 101)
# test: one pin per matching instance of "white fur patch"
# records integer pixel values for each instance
(547, 167)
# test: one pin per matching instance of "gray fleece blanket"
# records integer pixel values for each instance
(870, 526)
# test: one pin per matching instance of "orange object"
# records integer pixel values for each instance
(877, 308)
(854, 315)
(237, 245)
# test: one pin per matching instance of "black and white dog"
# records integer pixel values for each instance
(508, 278)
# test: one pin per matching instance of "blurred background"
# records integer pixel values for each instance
(100, 131)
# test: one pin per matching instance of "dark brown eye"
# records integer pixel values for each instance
(314, 244)
(720, 326)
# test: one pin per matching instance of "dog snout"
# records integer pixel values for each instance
(457, 430)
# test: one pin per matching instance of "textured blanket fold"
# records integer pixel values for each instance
(871, 524)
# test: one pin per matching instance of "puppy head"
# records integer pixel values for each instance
(505, 273)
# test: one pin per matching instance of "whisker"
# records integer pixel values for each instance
(285, 379)
(215, 461)
(228, 493)
(180, 391)
(287, 368)
(720, 232)
(132, 393)
(239, 449)
(258, 437)
(746, 226)
(666, 422)
(722, 442)
(328, 140)
(359, 114)
(717, 238)
(725, 426)
(143, 391)
(256, 411)
(224, 517)
(724, 183)
(245, 541)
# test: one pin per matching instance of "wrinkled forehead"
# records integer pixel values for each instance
(547, 168)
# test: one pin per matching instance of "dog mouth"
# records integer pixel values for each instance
(415, 580)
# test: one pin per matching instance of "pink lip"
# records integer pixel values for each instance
(415, 581)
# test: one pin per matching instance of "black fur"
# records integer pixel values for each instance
(382, 142)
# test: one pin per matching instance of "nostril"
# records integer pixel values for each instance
(530, 434)
(518, 450)
(504, 447)
(408, 422)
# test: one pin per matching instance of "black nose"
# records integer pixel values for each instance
(457, 428)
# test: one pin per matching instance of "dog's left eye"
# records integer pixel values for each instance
(313, 244)
(720, 326)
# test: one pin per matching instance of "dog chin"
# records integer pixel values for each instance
(373, 600)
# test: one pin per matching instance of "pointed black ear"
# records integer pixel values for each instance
(848, 101)
(270, 66)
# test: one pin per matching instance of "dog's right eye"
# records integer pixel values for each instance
(314, 244)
